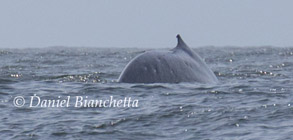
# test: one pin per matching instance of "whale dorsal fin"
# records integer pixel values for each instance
(180, 42)
(181, 45)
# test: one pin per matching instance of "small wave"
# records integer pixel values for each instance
(150, 86)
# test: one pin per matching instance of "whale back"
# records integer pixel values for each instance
(181, 64)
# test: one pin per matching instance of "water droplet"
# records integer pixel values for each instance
(213, 91)
(260, 71)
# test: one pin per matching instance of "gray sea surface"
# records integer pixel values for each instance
(252, 101)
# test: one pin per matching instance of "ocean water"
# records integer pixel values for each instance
(252, 101)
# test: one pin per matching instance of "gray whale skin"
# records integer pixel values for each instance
(180, 64)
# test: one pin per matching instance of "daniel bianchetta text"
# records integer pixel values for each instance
(81, 101)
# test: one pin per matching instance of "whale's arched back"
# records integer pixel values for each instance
(180, 64)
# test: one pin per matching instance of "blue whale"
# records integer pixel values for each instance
(180, 64)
